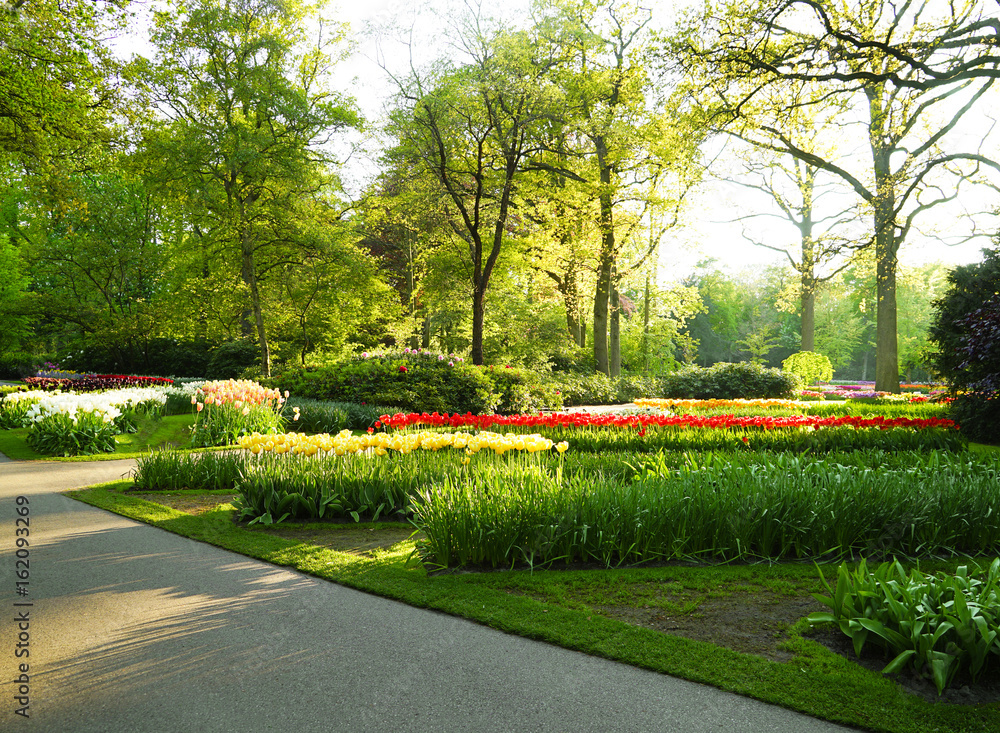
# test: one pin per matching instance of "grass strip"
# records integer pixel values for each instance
(816, 681)
(171, 430)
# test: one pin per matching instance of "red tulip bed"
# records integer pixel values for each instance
(650, 432)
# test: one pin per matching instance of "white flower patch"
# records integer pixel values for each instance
(108, 405)
(32, 395)
(183, 390)
(73, 405)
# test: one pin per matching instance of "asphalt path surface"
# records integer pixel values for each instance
(133, 629)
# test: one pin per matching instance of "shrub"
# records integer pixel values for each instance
(978, 417)
(970, 287)
(631, 388)
(520, 391)
(586, 389)
(809, 366)
(229, 360)
(729, 381)
(17, 365)
(419, 381)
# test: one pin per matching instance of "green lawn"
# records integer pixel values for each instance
(172, 430)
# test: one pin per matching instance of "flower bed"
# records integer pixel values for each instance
(94, 382)
(641, 422)
(83, 424)
(719, 509)
(229, 409)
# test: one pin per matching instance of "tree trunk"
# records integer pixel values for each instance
(886, 246)
(249, 274)
(645, 329)
(602, 293)
(807, 269)
(808, 318)
(602, 299)
(614, 333)
(478, 320)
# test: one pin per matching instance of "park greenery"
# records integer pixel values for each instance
(183, 275)
(182, 212)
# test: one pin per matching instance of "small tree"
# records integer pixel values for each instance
(810, 366)
(967, 333)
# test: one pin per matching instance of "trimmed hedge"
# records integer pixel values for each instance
(417, 381)
(726, 381)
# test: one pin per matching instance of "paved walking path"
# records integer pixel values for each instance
(133, 629)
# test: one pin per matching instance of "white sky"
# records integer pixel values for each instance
(706, 236)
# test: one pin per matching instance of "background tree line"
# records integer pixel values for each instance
(531, 181)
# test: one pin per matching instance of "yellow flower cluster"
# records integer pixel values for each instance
(660, 403)
(381, 443)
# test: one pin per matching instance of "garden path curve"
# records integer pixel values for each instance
(134, 629)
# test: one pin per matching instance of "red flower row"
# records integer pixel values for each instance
(640, 422)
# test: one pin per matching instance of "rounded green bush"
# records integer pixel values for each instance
(727, 381)
(809, 366)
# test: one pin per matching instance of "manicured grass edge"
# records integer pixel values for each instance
(13, 443)
(815, 682)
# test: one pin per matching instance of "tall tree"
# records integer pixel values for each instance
(473, 128)
(826, 230)
(57, 81)
(625, 149)
(910, 71)
(248, 108)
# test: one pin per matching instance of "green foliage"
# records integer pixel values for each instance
(316, 416)
(278, 487)
(978, 417)
(230, 360)
(13, 284)
(599, 389)
(729, 381)
(412, 381)
(521, 391)
(809, 366)
(720, 507)
(59, 434)
(17, 365)
(585, 389)
(171, 470)
(941, 624)
(13, 413)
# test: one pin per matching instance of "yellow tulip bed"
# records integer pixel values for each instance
(665, 403)
(380, 444)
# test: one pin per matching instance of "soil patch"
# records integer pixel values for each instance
(756, 622)
(750, 623)
(189, 503)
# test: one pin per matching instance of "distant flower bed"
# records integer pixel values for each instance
(94, 382)
(667, 403)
